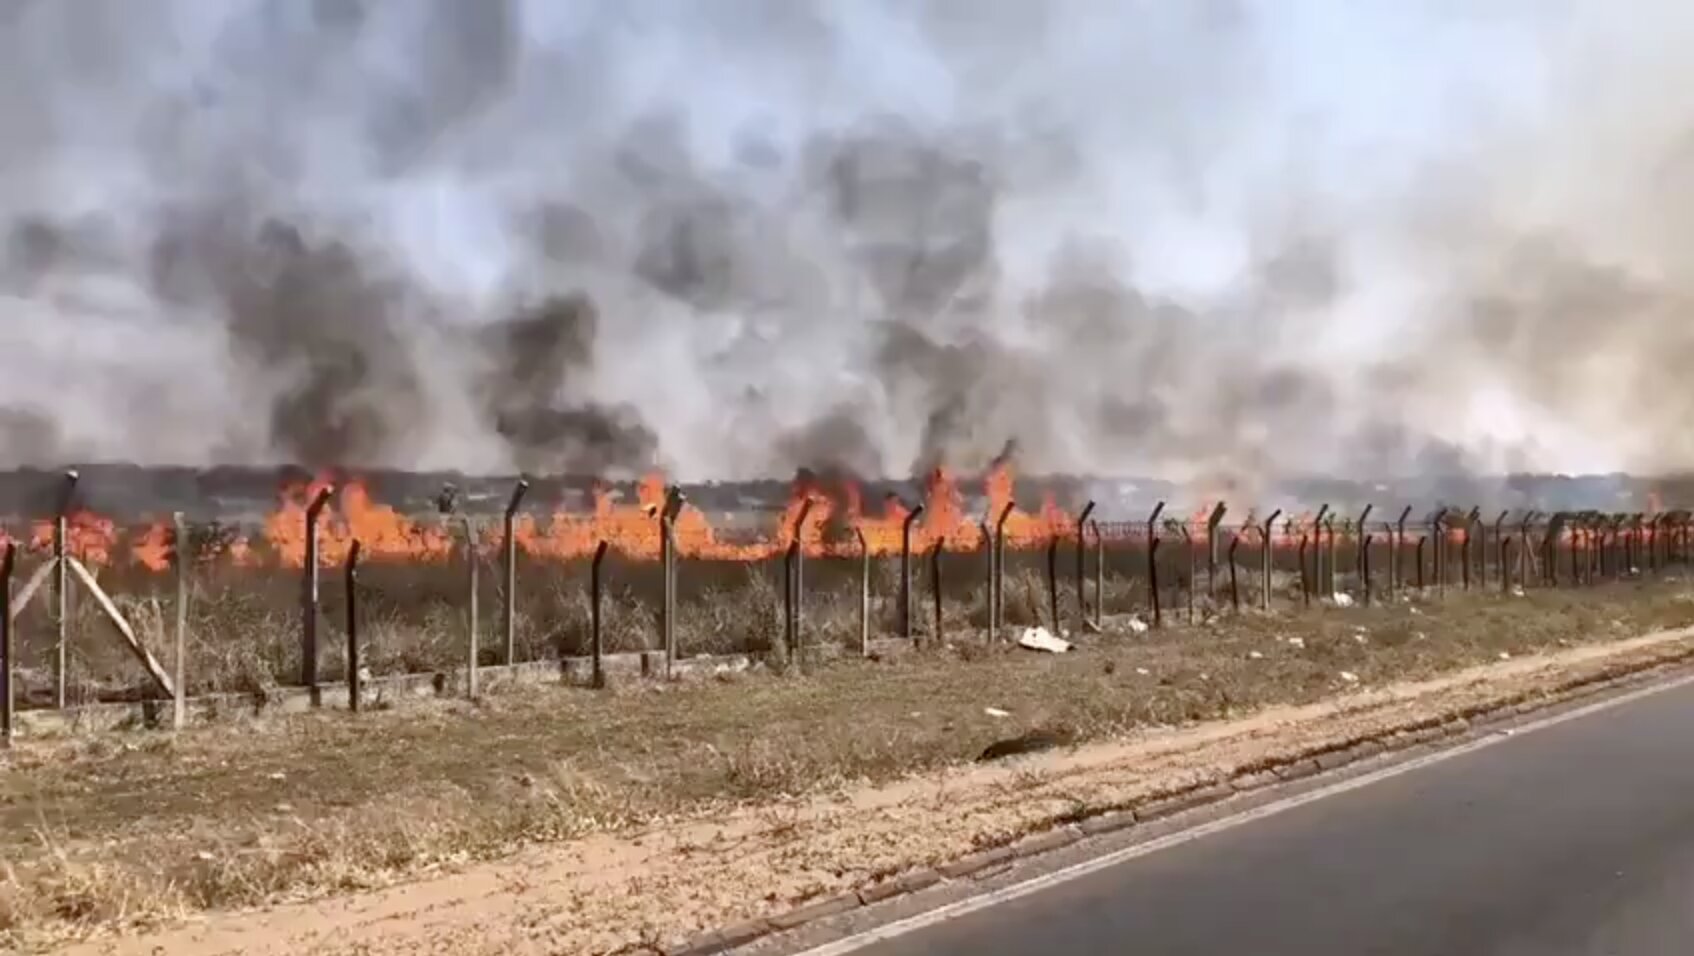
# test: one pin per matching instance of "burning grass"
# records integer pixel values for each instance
(121, 830)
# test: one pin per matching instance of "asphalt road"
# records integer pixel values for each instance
(1573, 839)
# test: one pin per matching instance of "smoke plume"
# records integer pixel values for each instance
(1217, 242)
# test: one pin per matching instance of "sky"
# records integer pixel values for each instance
(1218, 240)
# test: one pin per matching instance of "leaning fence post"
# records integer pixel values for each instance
(906, 571)
(8, 563)
(510, 613)
(181, 556)
(309, 597)
(61, 587)
(1082, 565)
(1268, 556)
(1505, 565)
(935, 587)
(355, 680)
(997, 614)
(864, 593)
(1423, 541)
(1499, 530)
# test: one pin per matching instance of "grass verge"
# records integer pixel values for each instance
(123, 832)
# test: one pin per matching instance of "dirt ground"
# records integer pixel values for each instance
(566, 821)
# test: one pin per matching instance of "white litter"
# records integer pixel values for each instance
(996, 712)
(1297, 642)
(1137, 625)
(1041, 639)
(1505, 655)
(1143, 671)
(1350, 677)
(1255, 656)
(1360, 639)
(1342, 599)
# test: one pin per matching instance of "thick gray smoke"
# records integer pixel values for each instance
(1210, 241)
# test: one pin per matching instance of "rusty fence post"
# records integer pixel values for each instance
(1082, 566)
(182, 560)
(1423, 541)
(1499, 531)
(1267, 556)
(1438, 558)
(935, 589)
(906, 571)
(596, 595)
(1505, 545)
(309, 597)
(1550, 547)
(62, 587)
(998, 614)
(987, 576)
(355, 680)
(8, 564)
(509, 613)
(793, 577)
(864, 593)
(1234, 578)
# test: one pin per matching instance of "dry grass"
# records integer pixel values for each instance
(124, 830)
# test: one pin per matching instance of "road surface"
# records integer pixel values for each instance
(1576, 838)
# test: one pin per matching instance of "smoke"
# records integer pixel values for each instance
(1219, 242)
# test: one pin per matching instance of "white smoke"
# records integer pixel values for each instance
(1205, 240)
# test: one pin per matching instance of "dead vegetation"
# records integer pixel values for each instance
(126, 830)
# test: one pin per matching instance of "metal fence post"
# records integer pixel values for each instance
(510, 612)
(62, 588)
(355, 680)
(1212, 521)
(935, 586)
(8, 564)
(1234, 581)
(997, 614)
(793, 579)
(1082, 565)
(906, 571)
(1359, 537)
(596, 593)
(182, 557)
(864, 593)
(1099, 577)
(473, 622)
(674, 500)
(309, 598)
(1053, 580)
(1268, 556)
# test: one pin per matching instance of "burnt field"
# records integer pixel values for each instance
(929, 572)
